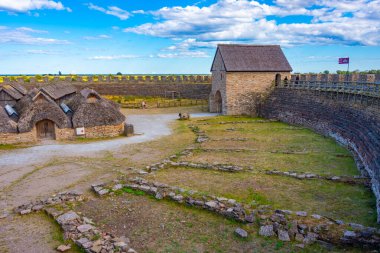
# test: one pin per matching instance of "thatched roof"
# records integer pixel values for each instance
(11, 91)
(59, 90)
(92, 110)
(23, 103)
(253, 58)
(37, 108)
(86, 93)
(6, 124)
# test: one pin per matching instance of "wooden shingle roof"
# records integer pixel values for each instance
(253, 58)
(58, 90)
(11, 91)
(19, 88)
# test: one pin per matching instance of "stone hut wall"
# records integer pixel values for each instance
(104, 131)
(15, 138)
(353, 125)
(63, 134)
(90, 132)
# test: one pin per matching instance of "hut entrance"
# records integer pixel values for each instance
(218, 102)
(45, 130)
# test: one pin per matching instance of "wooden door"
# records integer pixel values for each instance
(45, 129)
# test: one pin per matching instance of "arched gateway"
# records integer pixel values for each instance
(218, 102)
(278, 79)
(45, 130)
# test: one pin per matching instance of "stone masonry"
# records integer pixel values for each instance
(63, 134)
(188, 86)
(353, 125)
(242, 85)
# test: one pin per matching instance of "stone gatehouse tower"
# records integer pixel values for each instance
(242, 72)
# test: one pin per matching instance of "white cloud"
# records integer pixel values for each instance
(111, 10)
(43, 52)
(29, 5)
(297, 3)
(98, 37)
(192, 44)
(23, 35)
(333, 22)
(166, 54)
(112, 57)
(187, 48)
(138, 12)
(186, 54)
(27, 29)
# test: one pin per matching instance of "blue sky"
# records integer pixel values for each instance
(167, 36)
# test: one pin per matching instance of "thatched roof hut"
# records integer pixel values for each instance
(33, 109)
(58, 105)
(90, 110)
(7, 125)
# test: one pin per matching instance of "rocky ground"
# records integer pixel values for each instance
(252, 161)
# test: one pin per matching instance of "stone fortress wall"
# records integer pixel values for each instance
(185, 86)
(351, 116)
(337, 77)
(188, 86)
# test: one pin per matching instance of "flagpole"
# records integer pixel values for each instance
(348, 67)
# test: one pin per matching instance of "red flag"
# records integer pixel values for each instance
(344, 60)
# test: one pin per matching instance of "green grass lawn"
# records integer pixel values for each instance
(5, 147)
(275, 145)
(335, 200)
(154, 102)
